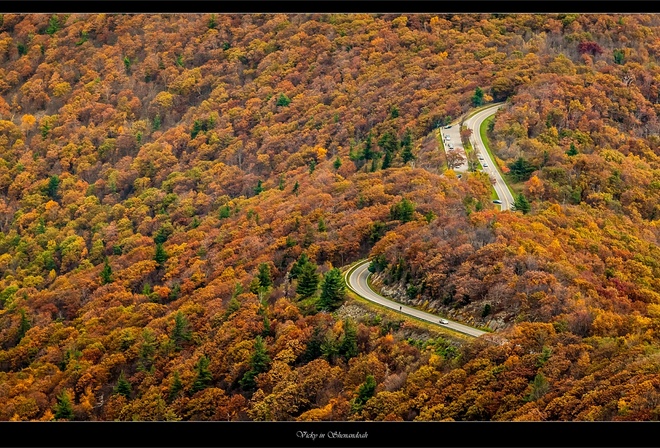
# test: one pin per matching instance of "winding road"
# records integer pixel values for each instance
(356, 277)
(474, 123)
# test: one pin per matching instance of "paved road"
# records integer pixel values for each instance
(358, 283)
(488, 164)
(454, 135)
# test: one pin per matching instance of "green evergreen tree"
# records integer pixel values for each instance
(281, 183)
(407, 154)
(258, 363)
(161, 256)
(296, 186)
(204, 376)
(63, 408)
(478, 97)
(106, 273)
(296, 269)
(387, 160)
(521, 169)
(263, 276)
(176, 387)
(619, 56)
(123, 387)
(225, 212)
(259, 188)
(175, 292)
(367, 152)
(321, 226)
(337, 163)
(348, 347)
(333, 290)
(283, 100)
(23, 325)
(572, 151)
(366, 391)
(312, 166)
(181, 331)
(308, 281)
(403, 210)
(53, 185)
(147, 350)
(522, 204)
(213, 23)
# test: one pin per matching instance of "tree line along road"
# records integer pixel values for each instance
(357, 276)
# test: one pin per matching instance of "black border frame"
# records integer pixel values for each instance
(293, 434)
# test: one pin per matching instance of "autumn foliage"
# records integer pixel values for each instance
(177, 193)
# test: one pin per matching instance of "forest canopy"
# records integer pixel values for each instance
(178, 194)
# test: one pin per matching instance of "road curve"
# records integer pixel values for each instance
(474, 123)
(357, 281)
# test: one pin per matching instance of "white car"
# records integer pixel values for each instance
(485, 165)
(444, 321)
(481, 158)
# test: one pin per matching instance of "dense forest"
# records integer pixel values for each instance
(178, 194)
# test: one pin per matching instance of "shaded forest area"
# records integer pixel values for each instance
(178, 191)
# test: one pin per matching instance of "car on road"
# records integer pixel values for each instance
(485, 165)
(451, 146)
(444, 321)
(448, 126)
(497, 201)
(481, 158)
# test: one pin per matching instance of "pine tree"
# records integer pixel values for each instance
(403, 211)
(225, 212)
(296, 269)
(176, 386)
(366, 390)
(368, 152)
(572, 151)
(522, 204)
(337, 163)
(258, 363)
(281, 183)
(106, 273)
(348, 347)
(308, 281)
(259, 188)
(407, 154)
(123, 387)
(387, 160)
(333, 290)
(204, 376)
(23, 325)
(161, 256)
(147, 350)
(296, 186)
(478, 97)
(63, 408)
(322, 227)
(181, 332)
(264, 276)
(53, 185)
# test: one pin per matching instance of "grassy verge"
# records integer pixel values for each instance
(484, 137)
(441, 148)
(393, 315)
(475, 111)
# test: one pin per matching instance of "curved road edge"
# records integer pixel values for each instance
(356, 280)
(474, 123)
